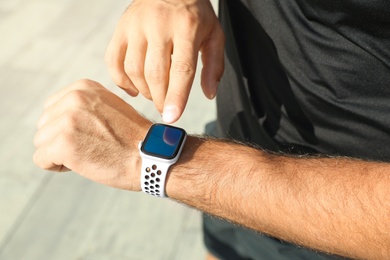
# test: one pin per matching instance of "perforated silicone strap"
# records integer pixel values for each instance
(153, 176)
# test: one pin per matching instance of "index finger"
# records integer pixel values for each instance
(181, 77)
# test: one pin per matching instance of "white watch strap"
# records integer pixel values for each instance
(153, 176)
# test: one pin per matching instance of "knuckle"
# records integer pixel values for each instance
(179, 97)
(219, 34)
(84, 83)
(71, 119)
(183, 67)
(160, 11)
(156, 75)
(78, 97)
(64, 141)
(190, 19)
(134, 70)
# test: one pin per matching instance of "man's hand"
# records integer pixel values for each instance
(87, 129)
(155, 47)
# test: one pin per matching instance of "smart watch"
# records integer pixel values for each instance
(160, 149)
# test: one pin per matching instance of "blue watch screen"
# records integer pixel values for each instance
(163, 141)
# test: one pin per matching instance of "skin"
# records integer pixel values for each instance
(154, 51)
(338, 205)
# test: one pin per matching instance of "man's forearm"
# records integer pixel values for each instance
(335, 205)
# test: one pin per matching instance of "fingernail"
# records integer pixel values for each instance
(214, 89)
(169, 114)
(132, 92)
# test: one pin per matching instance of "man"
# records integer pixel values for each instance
(307, 80)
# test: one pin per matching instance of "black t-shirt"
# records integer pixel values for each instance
(305, 76)
(302, 76)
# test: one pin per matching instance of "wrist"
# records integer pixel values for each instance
(134, 161)
(211, 175)
(186, 179)
(160, 149)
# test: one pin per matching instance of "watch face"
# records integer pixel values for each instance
(163, 141)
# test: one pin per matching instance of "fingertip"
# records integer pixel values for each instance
(159, 108)
(170, 114)
(39, 160)
(131, 91)
(210, 89)
(61, 168)
(209, 83)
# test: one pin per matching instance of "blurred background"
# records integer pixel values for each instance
(44, 46)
